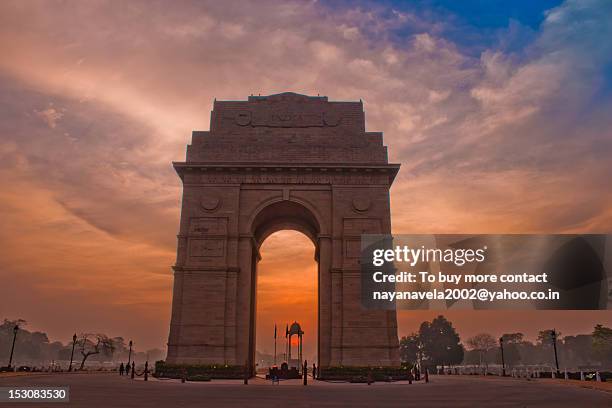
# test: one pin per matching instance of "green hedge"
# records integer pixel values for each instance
(360, 374)
(199, 377)
(198, 372)
(206, 372)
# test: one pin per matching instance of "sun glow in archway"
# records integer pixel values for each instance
(286, 292)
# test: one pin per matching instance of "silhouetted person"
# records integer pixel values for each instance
(127, 369)
(314, 371)
(133, 369)
(121, 369)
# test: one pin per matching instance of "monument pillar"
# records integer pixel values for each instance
(325, 302)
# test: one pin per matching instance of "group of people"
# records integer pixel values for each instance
(126, 369)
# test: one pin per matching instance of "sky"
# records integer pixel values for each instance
(498, 111)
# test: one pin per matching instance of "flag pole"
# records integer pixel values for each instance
(287, 344)
(274, 343)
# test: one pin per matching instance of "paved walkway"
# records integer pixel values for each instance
(108, 390)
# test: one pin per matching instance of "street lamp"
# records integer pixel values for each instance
(15, 330)
(501, 346)
(130, 353)
(74, 337)
(554, 340)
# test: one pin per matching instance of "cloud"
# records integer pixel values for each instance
(50, 116)
(98, 98)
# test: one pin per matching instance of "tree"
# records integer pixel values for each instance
(91, 344)
(545, 337)
(410, 348)
(30, 347)
(513, 338)
(482, 343)
(602, 343)
(441, 343)
(578, 350)
(512, 341)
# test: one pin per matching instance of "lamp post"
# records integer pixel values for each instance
(554, 340)
(501, 346)
(15, 330)
(74, 337)
(130, 353)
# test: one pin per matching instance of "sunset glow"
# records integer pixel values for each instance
(98, 98)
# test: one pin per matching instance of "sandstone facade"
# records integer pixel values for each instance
(285, 161)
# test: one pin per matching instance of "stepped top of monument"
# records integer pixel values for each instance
(288, 96)
(286, 110)
(287, 128)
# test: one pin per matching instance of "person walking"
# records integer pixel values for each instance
(121, 369)
(127, 369)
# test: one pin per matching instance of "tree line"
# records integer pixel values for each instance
(437, 343)
(33, 348)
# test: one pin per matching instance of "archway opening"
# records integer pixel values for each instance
(286, 292)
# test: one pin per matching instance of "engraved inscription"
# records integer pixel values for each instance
(208, 226)
(206, 247)
(286, 119)
(358, 226)
(291, 179)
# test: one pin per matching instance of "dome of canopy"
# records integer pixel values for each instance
(295, 328)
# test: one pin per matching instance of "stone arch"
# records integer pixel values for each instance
(275, 162)
(285, 214)
(278, 215)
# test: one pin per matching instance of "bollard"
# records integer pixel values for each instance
(426, 375)
(133, 369)
(581, 376)
(305, 372)
(146, 373)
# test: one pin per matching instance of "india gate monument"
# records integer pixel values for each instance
(270, 163)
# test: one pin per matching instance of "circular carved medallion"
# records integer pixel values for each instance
(331, 118)
(361, 204)
(243, 118)
(209, 203)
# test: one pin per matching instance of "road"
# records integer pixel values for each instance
(111, 390)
